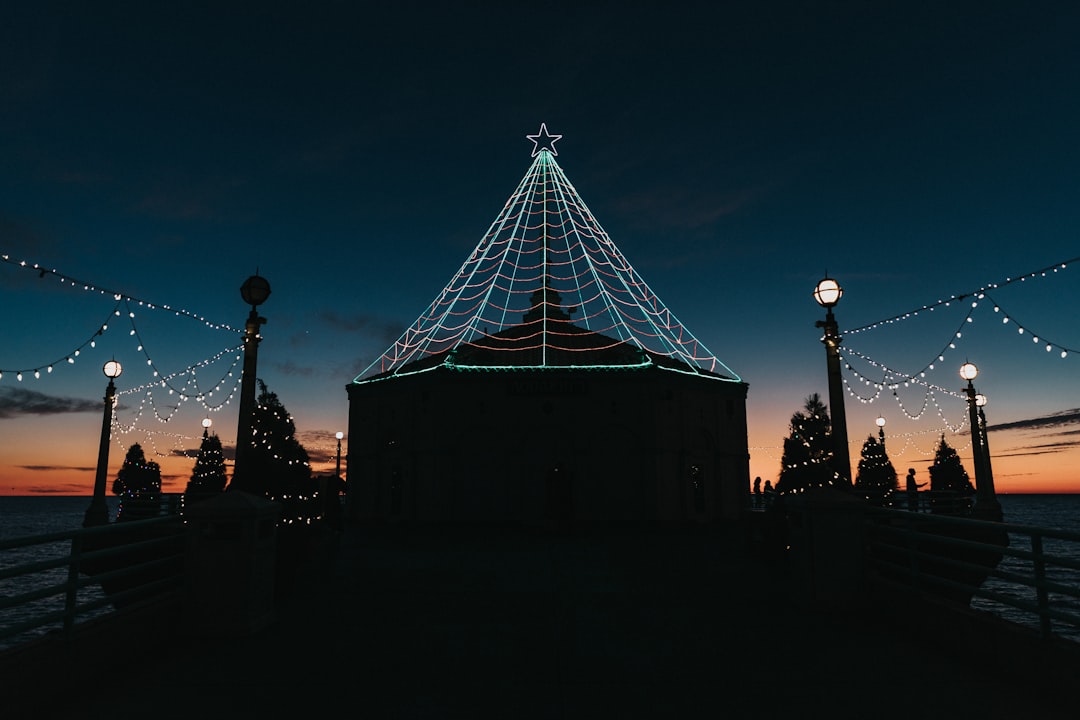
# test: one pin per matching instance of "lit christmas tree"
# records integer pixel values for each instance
(208, 477)
(807, 450)
(950, 487)
(876, 479)
(277, 464)
(139, 486)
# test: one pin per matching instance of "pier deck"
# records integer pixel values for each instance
(508, 624)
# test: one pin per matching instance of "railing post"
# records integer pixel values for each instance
(913, 551)
(71, 594)
(1040, 585)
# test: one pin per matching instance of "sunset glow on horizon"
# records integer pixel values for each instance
(924, 158)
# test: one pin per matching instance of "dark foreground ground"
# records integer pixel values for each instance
(508, 624)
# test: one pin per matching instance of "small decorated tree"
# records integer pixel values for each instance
(876, 479)
(139, 486)
(277, 464)
(807, 450)
(208, 477)
(950, 487)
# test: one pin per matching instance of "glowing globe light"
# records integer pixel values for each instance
(828, 292)
(968, 371)
(112, 369)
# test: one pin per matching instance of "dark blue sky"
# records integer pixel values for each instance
(734, 152)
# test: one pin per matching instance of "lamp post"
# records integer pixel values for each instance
(986, 502)
(827, 293)
(339, 435)
(206, 423)
(881, 429)
(98, 512)
(254, 291)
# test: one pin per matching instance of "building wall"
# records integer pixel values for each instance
(547, 448)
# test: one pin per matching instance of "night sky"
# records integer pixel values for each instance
(353, 156)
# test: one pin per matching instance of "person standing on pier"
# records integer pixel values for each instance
(913, 491)
(770, 493)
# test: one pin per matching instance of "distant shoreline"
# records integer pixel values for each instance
(61, 495)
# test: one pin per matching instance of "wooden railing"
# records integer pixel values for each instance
(55, 583)
(1025, 574)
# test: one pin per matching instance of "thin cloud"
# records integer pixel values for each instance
(15, 402)
(321, 445)
(1050, 440)
(291, 368)
(1055, 420)
(1030, 452)
(374, 325)
(192, 454)
(1046, 448)
(68, 489)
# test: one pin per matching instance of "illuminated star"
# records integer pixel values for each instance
(543, 141)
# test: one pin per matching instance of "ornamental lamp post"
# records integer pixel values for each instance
(337, 471)
(881, 429)
(98, 512)
(206, 423)
(827, 293)
(254, 291)
(986, 502)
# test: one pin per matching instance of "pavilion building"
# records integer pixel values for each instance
(547, 385)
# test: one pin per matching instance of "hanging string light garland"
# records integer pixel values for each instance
(1039, 340)
(1041, 273)
(148, 438)
(122, 301)
(89, 287)
(958, 334)
(202, 396)
(183, 385)
(70, 356)
(183, 391)
(1050, 346)
(894, 379)
(891, 378)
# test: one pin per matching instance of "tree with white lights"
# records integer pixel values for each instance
(139, 486)
(807, 450)
(876, 479)
(277, 464)
(208, 477)
(950, 486)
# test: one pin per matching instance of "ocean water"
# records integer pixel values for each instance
(35, 516)
(1059, 512)
(22, 516)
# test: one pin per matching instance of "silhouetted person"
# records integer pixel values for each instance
(770, 493)
(913, 491)
(757, 492)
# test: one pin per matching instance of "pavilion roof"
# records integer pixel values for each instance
(546, 288)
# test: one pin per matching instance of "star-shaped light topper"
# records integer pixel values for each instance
(543, 141)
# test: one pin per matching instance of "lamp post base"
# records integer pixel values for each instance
(97, 514)
(988, 510)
